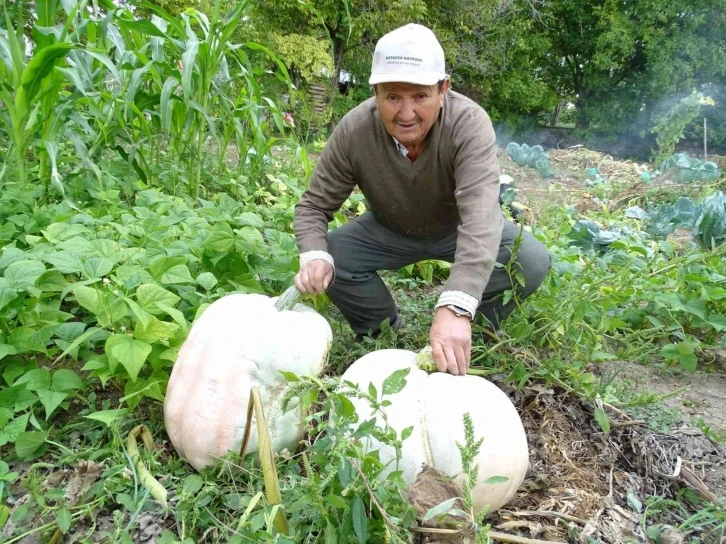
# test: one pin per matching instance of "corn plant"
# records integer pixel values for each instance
(113, 85)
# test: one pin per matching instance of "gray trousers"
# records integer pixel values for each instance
(363, 246)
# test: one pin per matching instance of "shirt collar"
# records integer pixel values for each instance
(401, 148)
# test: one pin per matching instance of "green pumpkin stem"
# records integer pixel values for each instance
(288, 299)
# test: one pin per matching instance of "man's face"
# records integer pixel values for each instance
(409, 111)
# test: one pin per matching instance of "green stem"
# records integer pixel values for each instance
(288, 299)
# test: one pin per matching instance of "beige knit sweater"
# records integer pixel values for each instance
(453, 184)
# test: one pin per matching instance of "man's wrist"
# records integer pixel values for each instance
(314, 255)
(458, 302)
(456, 310)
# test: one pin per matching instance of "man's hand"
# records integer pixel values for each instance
(314, 277)
(450, 339)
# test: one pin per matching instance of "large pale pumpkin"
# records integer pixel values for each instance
(241, 341)
(434, 405)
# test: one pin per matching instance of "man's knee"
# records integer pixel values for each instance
(534, 262)
(348, 265)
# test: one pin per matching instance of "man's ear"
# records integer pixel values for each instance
(444, 89)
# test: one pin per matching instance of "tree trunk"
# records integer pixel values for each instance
(581, 118)
(339, 47)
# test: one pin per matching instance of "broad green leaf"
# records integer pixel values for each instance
(97, 267)
(22, 274)
(78, 341)
(717, 321)
(148, 295)
(602, 419)
(90, 299)
(18, 425)
(108, 416)
(67, 262)
(5, 416)
(142, 315)
(105, 248)
(160, 265)
(175, 314)
(250, 219)
(7, 349)
(9, 395)
(192, 484)
(51, 281)
(156, 331)
(25, 400)
(132, 276)
(177, 274)
(29, 444)
(63, 519)
(221, 239)
(38, 378)
(27, 339)
(66, 380)
(360, 520)
(50, 400)
(249, 240)
(11, 255)
(61, 232)
(130, 353)
(7, 293)
(79, 245)
(4, 515)
(395, 382)
(207, 280)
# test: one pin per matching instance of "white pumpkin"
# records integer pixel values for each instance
(434, 405)
(241, 341)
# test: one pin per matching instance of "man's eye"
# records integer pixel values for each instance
(392, 97)
(422, 96)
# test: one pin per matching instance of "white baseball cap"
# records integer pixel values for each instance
(409, 54)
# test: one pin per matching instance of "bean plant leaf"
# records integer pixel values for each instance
(149, 295)
(50, 400)
(22, 274)
(130, 353)
(108, 416)
(28, 444)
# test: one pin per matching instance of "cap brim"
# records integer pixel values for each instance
(428, 78)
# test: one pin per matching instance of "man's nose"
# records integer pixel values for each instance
(407, 112)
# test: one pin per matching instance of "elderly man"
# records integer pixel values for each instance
(425, 159)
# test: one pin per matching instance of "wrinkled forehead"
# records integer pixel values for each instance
(403, 88)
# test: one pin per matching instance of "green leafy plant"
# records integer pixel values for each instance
(534, 157)
(684, 169)
(669, 128)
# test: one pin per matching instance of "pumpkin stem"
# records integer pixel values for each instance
(288, 299)
(147, 480)
(425, 361)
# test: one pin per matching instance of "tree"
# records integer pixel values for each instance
(621, 58)
(342, 22)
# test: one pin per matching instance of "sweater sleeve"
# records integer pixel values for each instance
(476, 172)
(331, 183)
